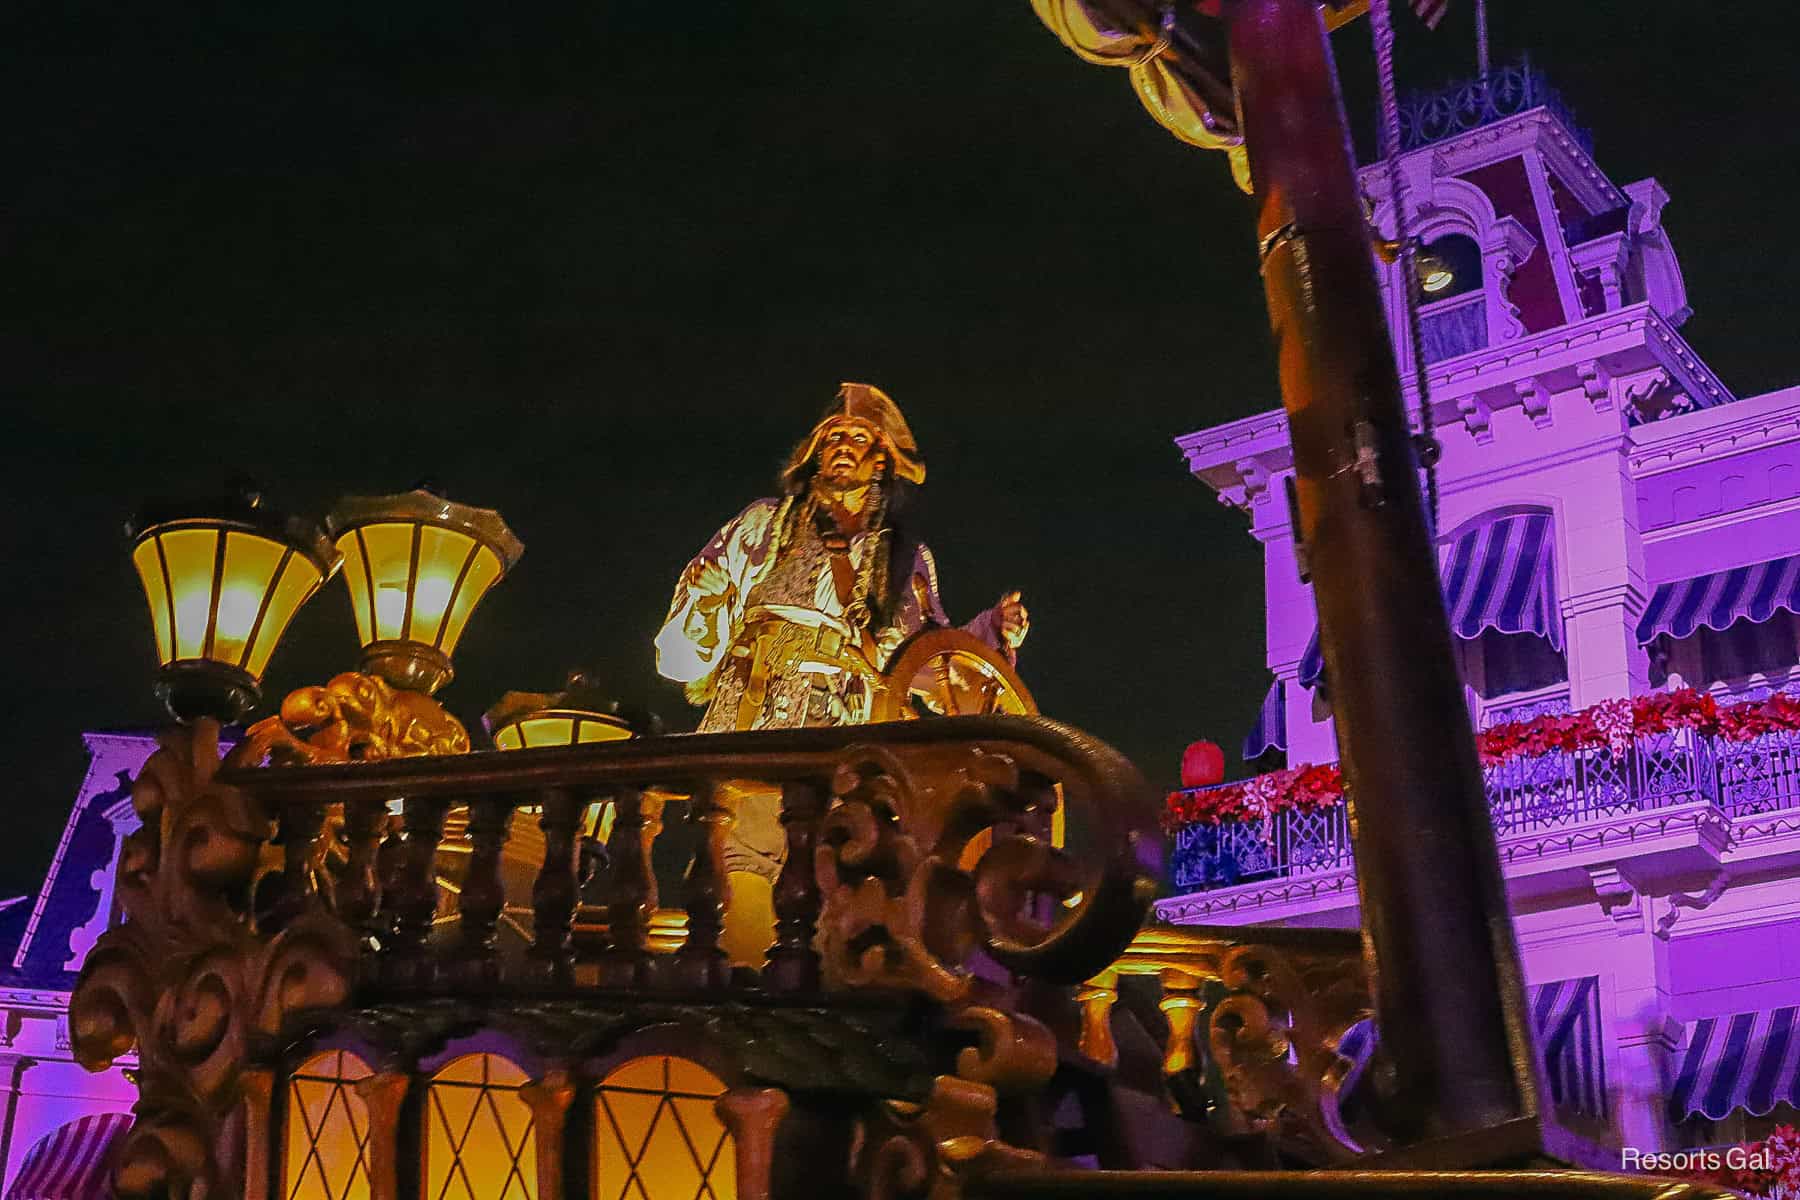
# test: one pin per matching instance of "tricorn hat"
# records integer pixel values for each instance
(863, 402)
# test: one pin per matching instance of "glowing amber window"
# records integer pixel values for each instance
(479, 1142)
(656, 1136)
(325, 1152)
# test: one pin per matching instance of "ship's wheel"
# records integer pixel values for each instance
(949, 673)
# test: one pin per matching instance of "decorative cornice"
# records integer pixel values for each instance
(1198, 906)
(1683, 441)
(1620, 898)
(1706, 822)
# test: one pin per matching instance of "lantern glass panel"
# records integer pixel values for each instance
(601, 731)
(250, 565)
(480, 577)
(443, 553)
(191, 554)
(389, 570)
(156, 594)
(299, 579)
(356, 579)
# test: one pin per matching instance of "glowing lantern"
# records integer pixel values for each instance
(1434, 273)
(417, 565)
(222, 580)
(1202, 765)
(577, 714)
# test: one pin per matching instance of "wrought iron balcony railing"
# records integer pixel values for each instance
(1432, 116)
(1526, 794)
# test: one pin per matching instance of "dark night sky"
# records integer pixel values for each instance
(599, 267)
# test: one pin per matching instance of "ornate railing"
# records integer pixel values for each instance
(1255, 1022)
(260, 897)
(1466, 104)
(1525, 706)
(1525, 794)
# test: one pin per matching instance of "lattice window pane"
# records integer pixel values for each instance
(656, 1136)
(325, 1154)
(480, 1144)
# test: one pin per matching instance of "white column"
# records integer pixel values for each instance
(1602, 580)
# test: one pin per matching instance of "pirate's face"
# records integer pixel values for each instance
(850, 454)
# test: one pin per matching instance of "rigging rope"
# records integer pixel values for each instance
(1426, 443)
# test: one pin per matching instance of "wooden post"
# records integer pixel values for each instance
(554, 893)
(359, 896)
(484, 894)
(631, 886)
(1436, 929)
(701, 962)
(793, 963)
(415, 907)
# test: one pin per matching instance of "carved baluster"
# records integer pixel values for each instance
(1181, 1004)
(1096, 998)
(384, 1094)
(793, 963)
(549, 1098)
(753, 1116)
(390, 868)
(415, 904)
(631, 885)
(554, 893)
(301, 823)
(483, 895)
(256, 1089)
(702, 962)
(359, 895)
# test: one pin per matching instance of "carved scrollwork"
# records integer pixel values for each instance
(1276, 1035)
(189, 980)
(903, 905)
(929, 1151)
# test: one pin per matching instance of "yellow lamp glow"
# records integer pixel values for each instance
(222, 580)
(578, 714)
(1434, 273)
(416, 566)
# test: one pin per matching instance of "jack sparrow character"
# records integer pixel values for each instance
(790, 614)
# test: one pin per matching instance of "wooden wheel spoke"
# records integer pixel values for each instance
(946, 688)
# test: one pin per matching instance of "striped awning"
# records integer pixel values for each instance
(1565, 1015)
(1719, 600)
(1498, 575)
(1565, 1021)
(73, 1162)
(1749, 1061)
(1270, 730)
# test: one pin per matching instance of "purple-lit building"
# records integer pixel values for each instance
(1613, 520)
(57, 1119)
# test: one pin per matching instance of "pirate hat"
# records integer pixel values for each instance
(862, 402)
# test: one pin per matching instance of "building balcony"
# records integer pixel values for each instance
(1674, 802)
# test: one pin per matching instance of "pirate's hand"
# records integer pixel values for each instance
(1015, 620)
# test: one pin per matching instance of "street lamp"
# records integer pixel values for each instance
(416, 565)
(222, 580)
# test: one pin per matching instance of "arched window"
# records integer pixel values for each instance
(479, 1142)
(656, 1136)
(325, 1151)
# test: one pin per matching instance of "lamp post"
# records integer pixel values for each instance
(417, 565)
(222, 579)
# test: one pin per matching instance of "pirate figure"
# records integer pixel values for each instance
(790, 614)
